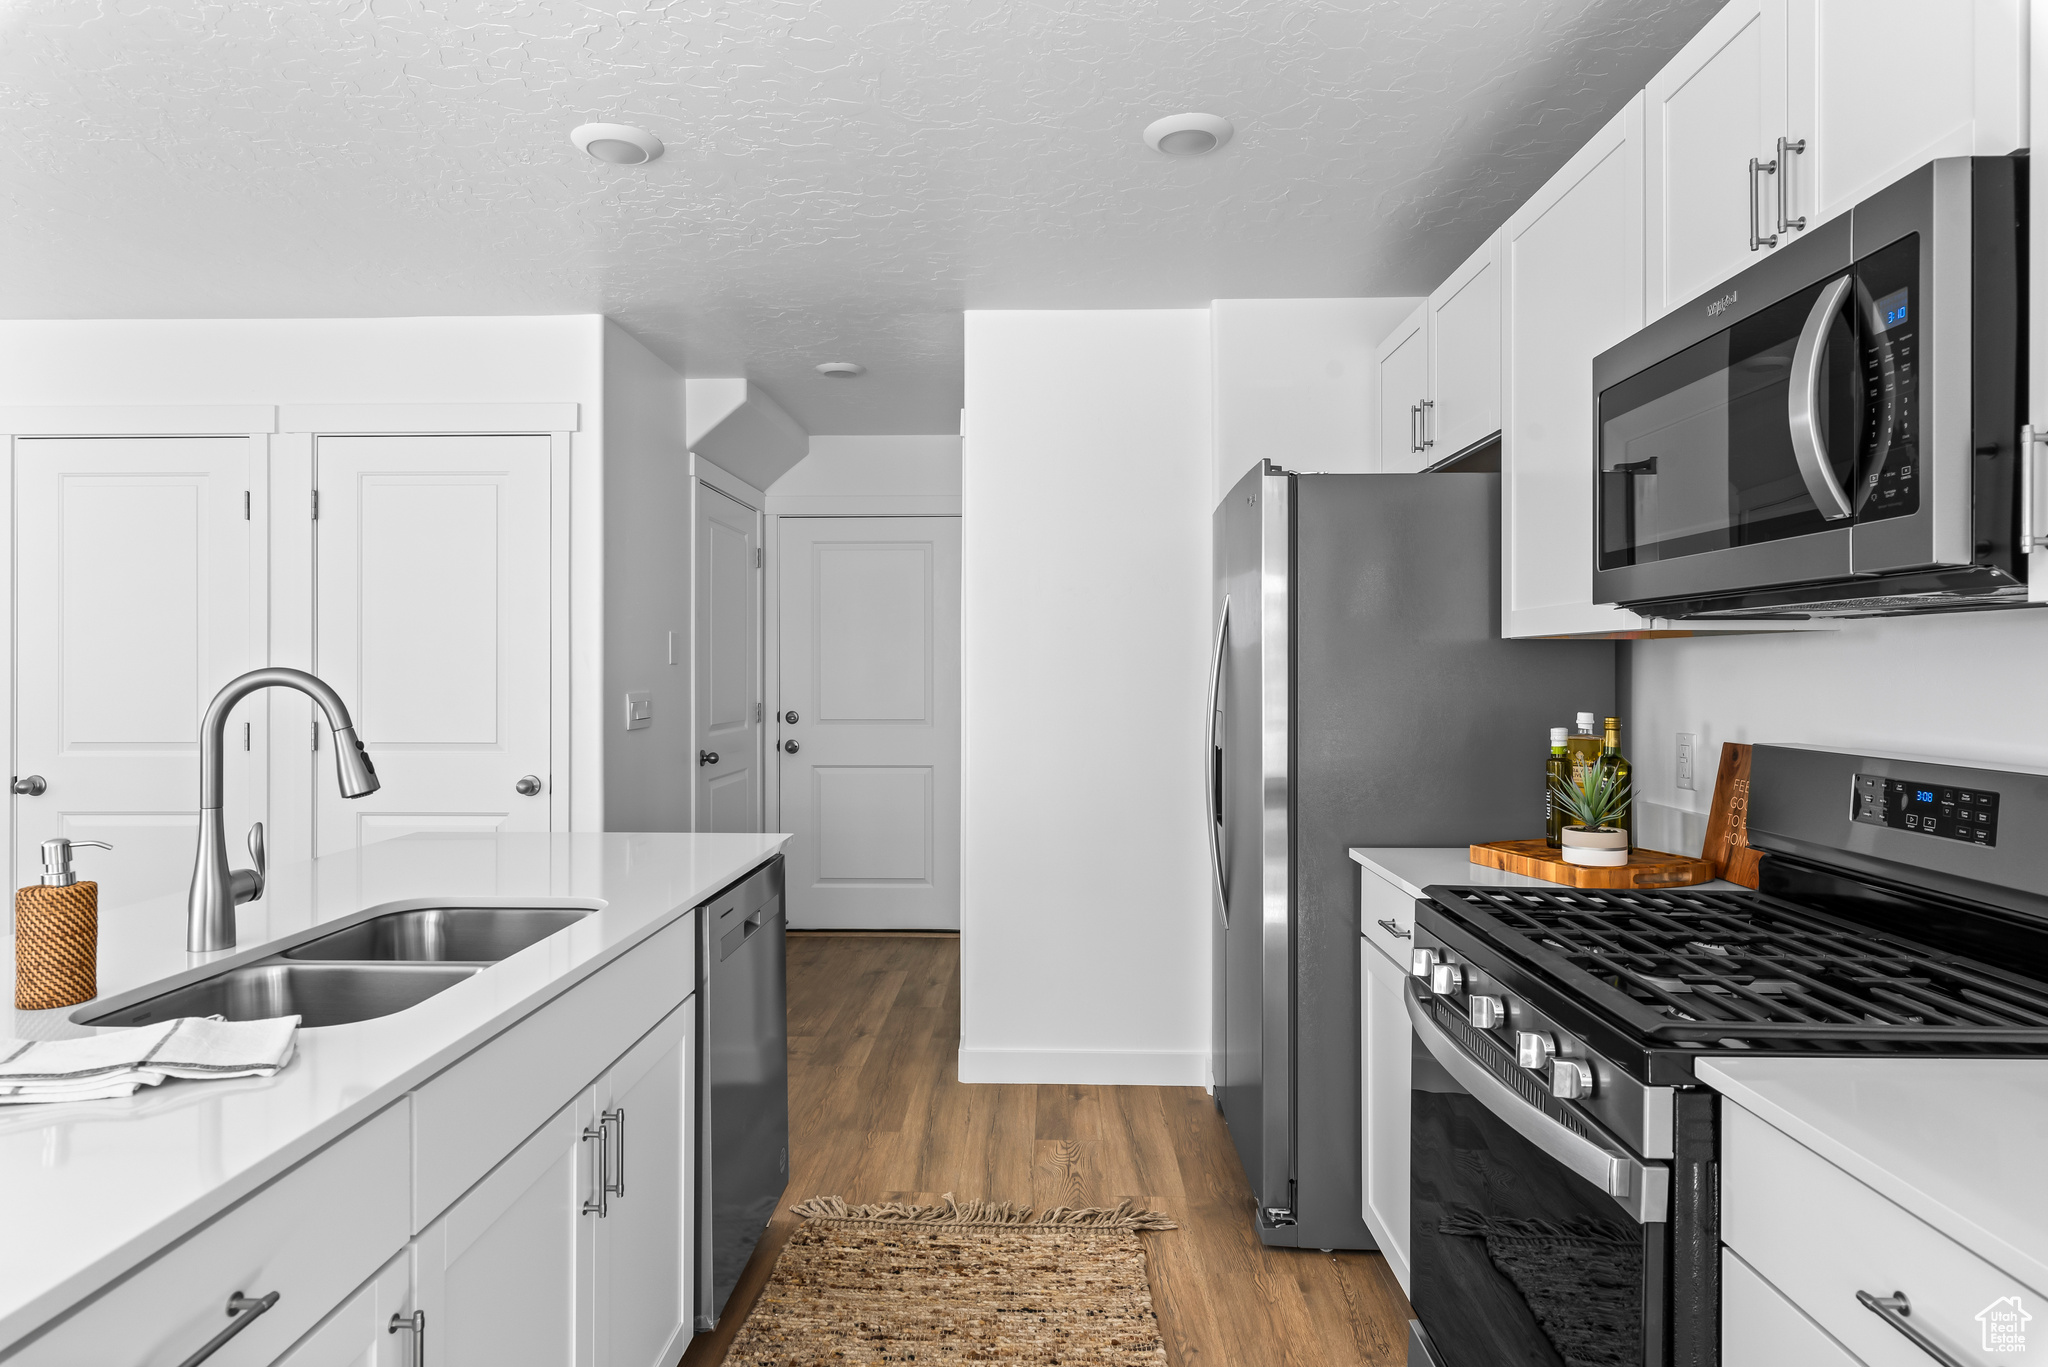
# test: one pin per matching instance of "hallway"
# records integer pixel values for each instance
(877, 1114)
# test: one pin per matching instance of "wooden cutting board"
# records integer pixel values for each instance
(1644, 869)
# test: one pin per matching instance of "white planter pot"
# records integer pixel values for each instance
(1604, 848)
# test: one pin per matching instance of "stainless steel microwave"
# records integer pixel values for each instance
(1834, 432)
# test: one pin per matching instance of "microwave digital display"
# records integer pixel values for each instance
(1890, 311)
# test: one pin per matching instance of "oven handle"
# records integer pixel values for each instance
(1214, 793)
(1808, 447)
(1642, 1189)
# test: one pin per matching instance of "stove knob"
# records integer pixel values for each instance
(1570, 1080)
(1532, 1049)
(1420, 962)
(1486, 1012)
(1444, 979)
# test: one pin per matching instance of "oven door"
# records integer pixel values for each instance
(1536, 1237)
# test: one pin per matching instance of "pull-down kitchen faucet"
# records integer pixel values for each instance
(216, 892)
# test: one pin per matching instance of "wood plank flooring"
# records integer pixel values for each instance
(877, 1113)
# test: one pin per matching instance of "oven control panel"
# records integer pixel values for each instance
(1966, 814)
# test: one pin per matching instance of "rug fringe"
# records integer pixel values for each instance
(954, 1214)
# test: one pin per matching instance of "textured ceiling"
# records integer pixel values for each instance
(842, 177)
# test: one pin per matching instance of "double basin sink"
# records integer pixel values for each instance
(372, 967)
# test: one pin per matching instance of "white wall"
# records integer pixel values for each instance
(1963, 687)
(1087, 473)
(913, 468)
(1293, 380)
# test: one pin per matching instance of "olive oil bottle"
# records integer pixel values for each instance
(1557, 770)
(1616, 763)
(1583, 748)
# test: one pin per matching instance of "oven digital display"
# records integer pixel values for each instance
(1966, 814)
(1890, 311)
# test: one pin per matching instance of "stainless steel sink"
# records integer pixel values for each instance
(477, 935)
(318, 993)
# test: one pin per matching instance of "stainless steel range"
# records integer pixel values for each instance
(1564, 1202)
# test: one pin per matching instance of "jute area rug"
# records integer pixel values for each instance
(977, 1282)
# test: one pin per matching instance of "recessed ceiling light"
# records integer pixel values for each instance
(1188, 135)
(842, 370)
(621, 144)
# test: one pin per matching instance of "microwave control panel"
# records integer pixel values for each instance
(1890, 378)
(1967, 814)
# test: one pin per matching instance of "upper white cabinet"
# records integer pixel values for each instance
(1710, 122)
(1464, 354)
(1572, 270)
(1401, 376)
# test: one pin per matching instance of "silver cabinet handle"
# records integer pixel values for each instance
(33, 786)
(617, 1117)
(1783, 167)
(242, 1311)
(1428, 407)
(1895, 1310)
(600, 1204)
(1212, 772)
(1802, 395)
(790, 747)
(416, 1325)
(527, 786)
(1392, 927)
(1758, 240)
(1414, 427)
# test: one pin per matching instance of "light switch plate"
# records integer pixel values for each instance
(639, 711)
(1688, 750)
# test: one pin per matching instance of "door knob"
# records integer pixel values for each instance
(790, 716)
(791, 746)
(528, 786)
(707, 757)
(32, 786)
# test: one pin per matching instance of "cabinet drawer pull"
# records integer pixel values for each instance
(416, 1324)
(1758, 238)
(1895, 1310)
(1786, 148)
(1392, 927)
(617, 1185)
(600, 1204)
(243, 1310)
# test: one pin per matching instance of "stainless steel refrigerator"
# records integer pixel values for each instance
(1360, 695)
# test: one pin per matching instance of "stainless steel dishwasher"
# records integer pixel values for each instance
(743, 1087)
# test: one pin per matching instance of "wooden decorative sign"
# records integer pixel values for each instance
(1727, 847)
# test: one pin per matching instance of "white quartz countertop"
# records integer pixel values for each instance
(1413, 869)
(91, 1189)
(1956, 1141)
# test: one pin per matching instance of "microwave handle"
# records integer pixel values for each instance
(1808, 447)
(1642, 1189)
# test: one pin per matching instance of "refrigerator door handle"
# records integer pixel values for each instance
(1212, 766)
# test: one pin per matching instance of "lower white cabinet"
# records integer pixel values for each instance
(360, 1333)
(1386, 1040)
(646, 1244)
(1760, 1328)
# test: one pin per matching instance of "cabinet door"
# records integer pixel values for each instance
(1876, 87)
(1717, 106)
(1572, 262)
(1464, 354)
(645, 1242)
(359, 1333)
(1387, 1044)
(506, 1275)
(1402, 370)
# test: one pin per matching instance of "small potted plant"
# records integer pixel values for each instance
(1589, 806)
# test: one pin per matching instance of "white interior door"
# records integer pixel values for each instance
(433, 623)
(728, 651)
(869, 720)
(135, 600)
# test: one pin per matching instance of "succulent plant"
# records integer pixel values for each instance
(1596, 799)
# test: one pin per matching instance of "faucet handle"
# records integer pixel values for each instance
(247, 884)
(256, 850)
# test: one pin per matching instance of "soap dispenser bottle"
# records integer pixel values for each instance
(57, 933)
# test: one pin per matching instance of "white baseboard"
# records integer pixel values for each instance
(1096, 1067)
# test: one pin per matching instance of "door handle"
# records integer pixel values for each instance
(1428, 407)
(790, 747)
(790, 716)
(1783, 165)
(243, 1311)
(1809, 447)
(416, 1324)
(600, 1204)
(35, 785)
(1213, 771)
(1758, 240)
(615, 1182)
(707, 757)
(1414, 427)
(528, 786)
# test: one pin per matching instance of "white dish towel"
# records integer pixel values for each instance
(120, 1061)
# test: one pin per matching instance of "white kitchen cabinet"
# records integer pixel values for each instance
(1464, 355)
(506, 1275)
(1386, 1042)
(646, 1239)
(1877, 87)
(1401, 375)
(1760, 1328)
(1711, 114)
(1572, 272)
(359, 1334)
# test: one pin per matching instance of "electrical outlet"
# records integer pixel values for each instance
(1688, 746)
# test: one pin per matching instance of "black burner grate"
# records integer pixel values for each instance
(1746, 969)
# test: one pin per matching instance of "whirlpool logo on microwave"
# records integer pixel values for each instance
(1721, 305)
